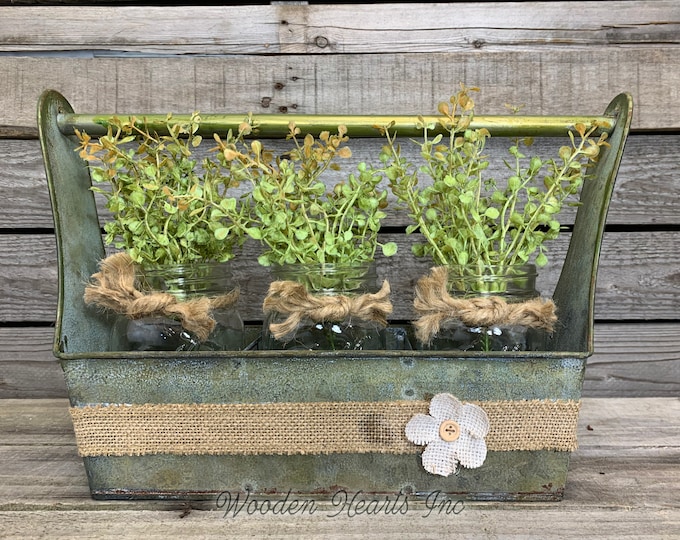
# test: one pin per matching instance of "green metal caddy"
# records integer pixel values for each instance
(198, 400)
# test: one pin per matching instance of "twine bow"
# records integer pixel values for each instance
(434, 305)
(292, 299)
(114, 288)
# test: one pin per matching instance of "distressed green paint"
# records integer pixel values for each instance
(504, 476)
(269, 378)
(264, 377)
(96, 375)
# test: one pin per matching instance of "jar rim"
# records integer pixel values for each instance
(494, 270)
(329, 278)
(508, 281)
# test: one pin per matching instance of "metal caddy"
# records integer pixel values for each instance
(200, 399)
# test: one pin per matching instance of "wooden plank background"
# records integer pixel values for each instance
(622, 483)
(553, 57)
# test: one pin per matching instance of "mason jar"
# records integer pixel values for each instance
(512, 284)
(158, 332)
(318, 315)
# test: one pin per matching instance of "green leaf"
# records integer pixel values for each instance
(492, 213)
(418, 250)
(514, 183)
(389, 249)
(257, 195)
(478, 231)
(449, 181)
(522, 254)
(467, 198)
(135, 226)
(138, 198)
(228, 204)
(99, 175)
(221, 233)
(516, 219)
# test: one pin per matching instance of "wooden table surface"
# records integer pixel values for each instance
(624, 482)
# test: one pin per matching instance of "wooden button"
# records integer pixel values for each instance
(449, 431)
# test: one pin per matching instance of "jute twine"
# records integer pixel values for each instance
(435, 305)
(304, 428)
(293, 300)
(114, 288)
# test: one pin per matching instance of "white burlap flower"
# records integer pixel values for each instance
(453, 432)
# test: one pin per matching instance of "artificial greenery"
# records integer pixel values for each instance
(299, 218)
(467, 218)
(167, 207)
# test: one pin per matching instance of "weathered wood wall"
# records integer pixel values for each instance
(554, 57)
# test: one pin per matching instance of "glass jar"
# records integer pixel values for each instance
(513, 284)
(187, 283)
(322, 288)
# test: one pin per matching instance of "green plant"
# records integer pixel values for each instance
(466, 218)
(295, 215)
(167, 208)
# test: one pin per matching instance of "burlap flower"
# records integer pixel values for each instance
(453, 432)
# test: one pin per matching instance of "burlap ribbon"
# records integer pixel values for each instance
(304, 428)
(293, 300)
(435, 305)
(114, 288)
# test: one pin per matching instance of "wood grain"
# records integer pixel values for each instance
(623, 482)
(637, 280)
(630, 359)
(637, 359)
(364, 28)
(553, 57)
(576, 81)
(647, 191)
(315, 59)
